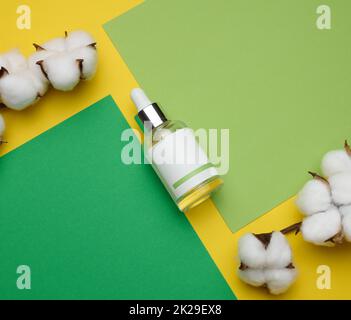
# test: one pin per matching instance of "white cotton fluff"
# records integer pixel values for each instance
(20, 86)
(335, 162)
(63, 71)
(2, 126)
(251, 251)
(278, 253)
(267, 264)
(57, 45)
(253, 277)
(321, 227)
(314, 197)
(340, 185)
(345, 210)
(278, 280)
(78, 39)
(13, 61)
(66, 61)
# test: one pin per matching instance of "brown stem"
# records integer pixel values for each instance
(38, 47)
(293, 228)
(265, 238)
(318, 177)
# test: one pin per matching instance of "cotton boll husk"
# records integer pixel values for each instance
(252, 252)
(77, 39)
(63, 71)
(89, 56)
(278, 252)
(346, 225)
(18, 91)
(2, 126)
(346, 221)
(57, 44)
(314, 197)
(279, 280)
(335, 162)
(321, 227)
(340, 185)
(254, 277)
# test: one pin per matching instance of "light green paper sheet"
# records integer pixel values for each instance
(91, 227)
(261, 69)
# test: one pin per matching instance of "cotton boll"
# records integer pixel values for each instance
(63, 71)
(278, 253)
(19, 90)
(251, 251)
(279, 280)
(321, 227)
(271, 254)
(78, 39)
(341, 188)
(329, 226)
(20, 86)
(66, 61)
(253, 277)
(314, 197)
(335, 162)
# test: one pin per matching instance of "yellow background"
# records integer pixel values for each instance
(50, 19)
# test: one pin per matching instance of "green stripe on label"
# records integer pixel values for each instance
(191, 174)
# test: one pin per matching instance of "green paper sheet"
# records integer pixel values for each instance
(260, 68)
(90, 227)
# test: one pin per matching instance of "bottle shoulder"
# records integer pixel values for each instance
(167, 128)
(172, 125)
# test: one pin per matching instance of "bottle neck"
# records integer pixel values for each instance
(153, 115)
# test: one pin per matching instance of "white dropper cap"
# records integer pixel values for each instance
(140, 99)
